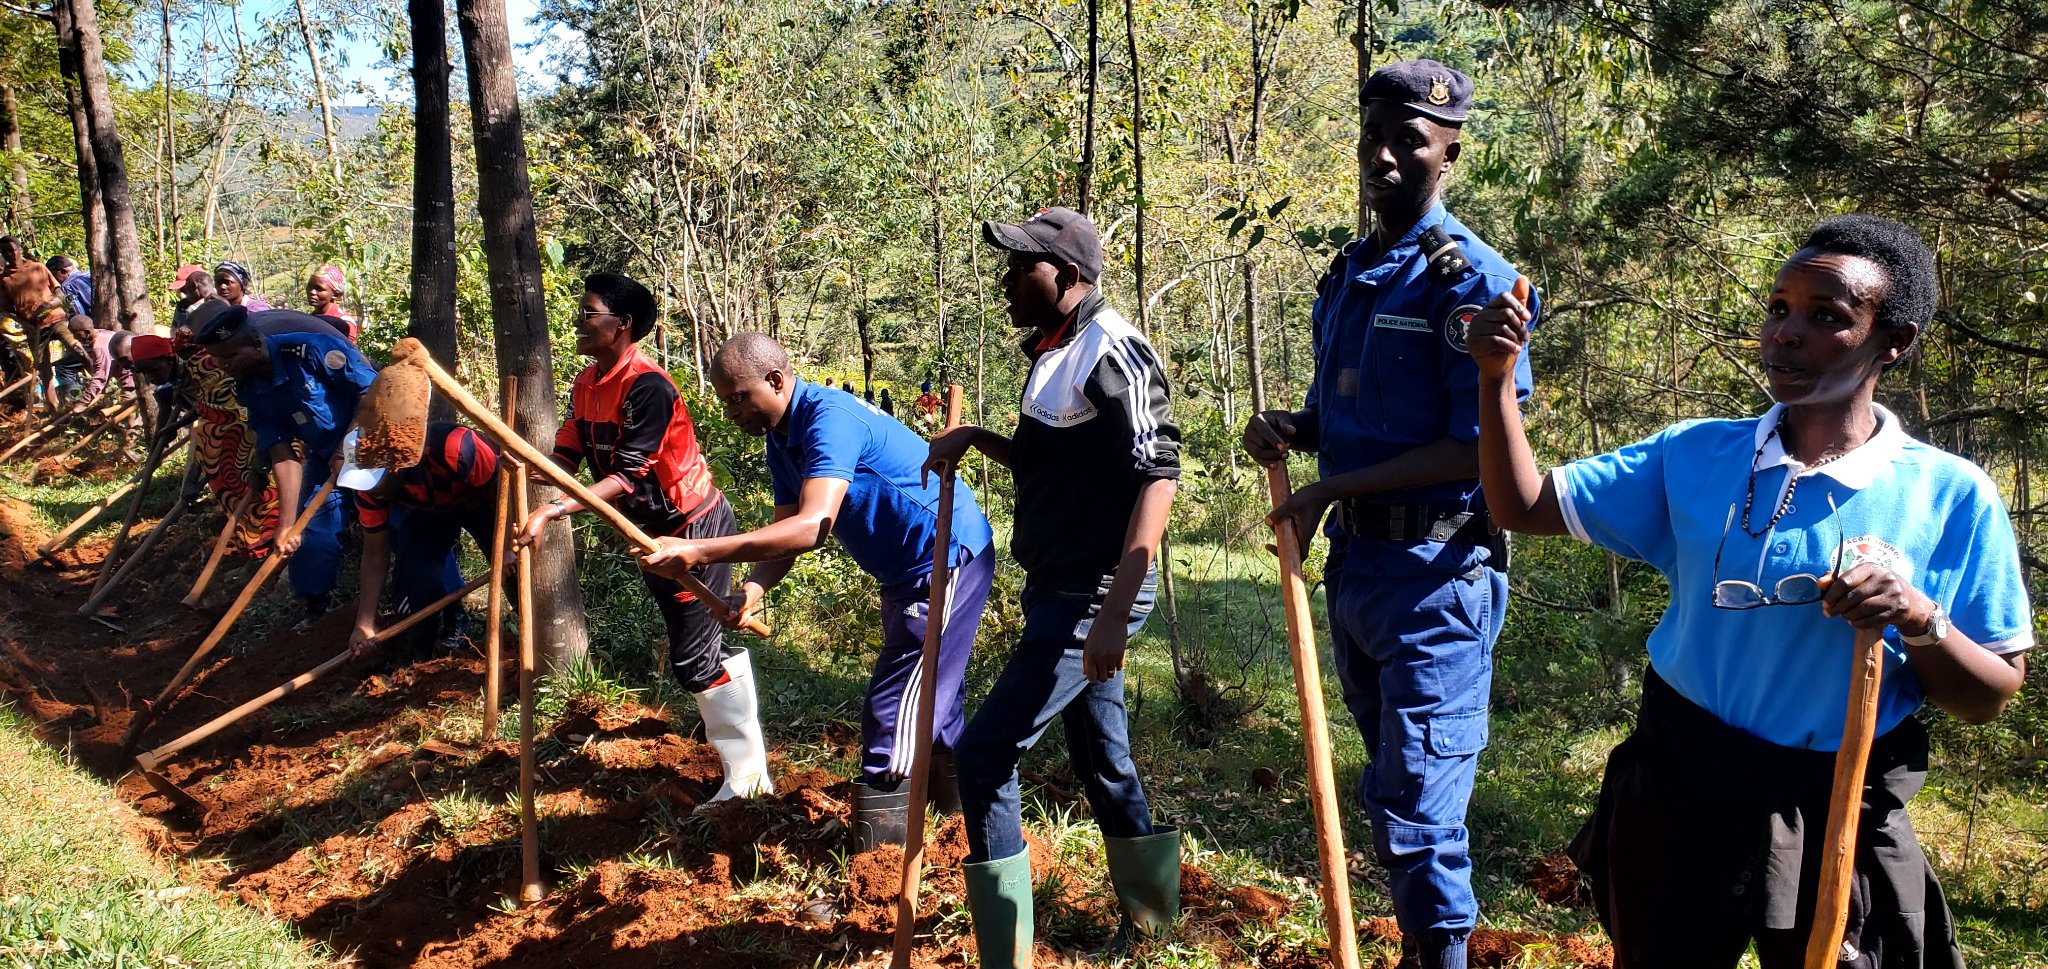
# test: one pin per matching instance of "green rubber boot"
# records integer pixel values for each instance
(1145, 871)
(999, 901)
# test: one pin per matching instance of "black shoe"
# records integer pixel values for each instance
(311, 608)
(944, 785)
(454, 636)
(879, 817)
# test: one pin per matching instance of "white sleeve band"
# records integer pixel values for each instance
(1560, 482)
(2011, 645)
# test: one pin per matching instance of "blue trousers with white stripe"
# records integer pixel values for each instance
(889, 719)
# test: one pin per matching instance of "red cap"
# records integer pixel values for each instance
(148, 347)
(185, 272)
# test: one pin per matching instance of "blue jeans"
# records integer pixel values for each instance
(1414, 651)
(1044, 680)
(424, 566)
(316, 567)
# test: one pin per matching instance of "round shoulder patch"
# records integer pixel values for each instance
(335, 360)
(1456, 325)
(1878, 552)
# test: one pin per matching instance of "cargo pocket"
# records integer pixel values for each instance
(1457, 734)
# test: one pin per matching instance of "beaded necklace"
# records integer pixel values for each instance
(1784, 504)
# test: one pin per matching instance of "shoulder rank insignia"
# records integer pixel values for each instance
(1447, 260)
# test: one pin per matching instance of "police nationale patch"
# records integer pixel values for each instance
(335, 360)
(1878, 552)
(1400, 323)
(1458, 325)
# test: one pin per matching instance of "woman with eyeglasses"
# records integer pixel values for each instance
(628, 421)
(1780, 536)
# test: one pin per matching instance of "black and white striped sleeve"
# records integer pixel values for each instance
(1130, 385)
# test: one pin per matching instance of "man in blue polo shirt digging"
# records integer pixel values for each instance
(1417, 588)
(841, 467)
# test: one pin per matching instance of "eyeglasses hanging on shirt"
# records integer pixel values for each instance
(1792, 590)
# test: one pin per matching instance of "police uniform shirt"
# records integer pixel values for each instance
(1392, 371)
(1782, 672)
(310, 395)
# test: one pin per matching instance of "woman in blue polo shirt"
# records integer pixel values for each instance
(1780, 536)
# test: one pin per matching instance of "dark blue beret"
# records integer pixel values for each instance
(1425, 87)
(214, 321)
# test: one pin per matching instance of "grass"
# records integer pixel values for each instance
(1565, 685)
(77, 890)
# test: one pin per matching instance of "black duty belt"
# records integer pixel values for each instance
(1412, 523)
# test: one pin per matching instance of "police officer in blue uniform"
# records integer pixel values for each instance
(1416, 587)
(300, 380)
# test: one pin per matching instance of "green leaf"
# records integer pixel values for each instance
(1276, 208)
(1237, 226)
(1225, 214)
(1258, 233)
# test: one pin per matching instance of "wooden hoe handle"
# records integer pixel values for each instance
(927, 699)
(150, 759)
(1315, 732)
(269, 568)
(410, 350)
(1845, 803)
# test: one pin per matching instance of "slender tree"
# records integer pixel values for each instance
(1087, 193)
(518, 307)
(169, 166)
(1361, 41)
(18, 205)
(433, 186)
(131, 289)
(320, 92)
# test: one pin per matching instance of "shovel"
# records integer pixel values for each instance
(186, 804)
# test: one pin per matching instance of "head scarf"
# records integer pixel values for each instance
(148, 347)
(237, 270)
(334, 278)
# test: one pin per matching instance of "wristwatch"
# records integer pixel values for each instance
(1937, 629)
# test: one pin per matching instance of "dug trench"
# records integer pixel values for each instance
(367, 811)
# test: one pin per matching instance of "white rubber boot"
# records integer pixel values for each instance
(732, 722)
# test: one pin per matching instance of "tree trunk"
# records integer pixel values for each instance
(1361, 41)
(18, 209)
(170, 163)
(433, 190)
(98, 249)
(1254, 365)
(320, 91)
(939, 280)
(518, 308)
(1087, 193)
(137, 312)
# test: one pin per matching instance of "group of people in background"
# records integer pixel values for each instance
(1707, 836)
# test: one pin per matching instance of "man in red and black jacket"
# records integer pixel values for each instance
(420, 512)
(627, 421)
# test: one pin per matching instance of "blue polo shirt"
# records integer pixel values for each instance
(310, 395)
(888, 520)
(1782, 672)
(1392, 372)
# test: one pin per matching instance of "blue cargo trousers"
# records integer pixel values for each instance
(1414, 652)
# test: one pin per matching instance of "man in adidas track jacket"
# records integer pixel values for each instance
(1096, 459)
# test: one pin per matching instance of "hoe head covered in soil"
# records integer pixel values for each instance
(393, 414)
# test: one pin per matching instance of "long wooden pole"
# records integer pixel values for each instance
(927, 699)
(1315, 733)
(109, 424)
(142, 550)
(62, 540)
(530, 889)
(411, 351)
(111, 565)
(220, 547)
(146, 715)
(494, 637)
(150, 759)
(1845, 803)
